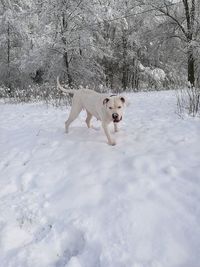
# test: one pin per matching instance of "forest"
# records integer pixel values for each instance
(99, 133)
(124, 45)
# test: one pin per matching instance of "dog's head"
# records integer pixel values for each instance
(114, 106)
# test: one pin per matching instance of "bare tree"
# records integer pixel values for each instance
(182, 16)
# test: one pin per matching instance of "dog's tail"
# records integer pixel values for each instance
(66, 91)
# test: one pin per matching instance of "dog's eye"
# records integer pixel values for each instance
(119, 107)
(110, 107)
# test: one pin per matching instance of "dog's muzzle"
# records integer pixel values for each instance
(116, 118)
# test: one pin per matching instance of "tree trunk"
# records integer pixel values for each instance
(8, 59)
(69, 78)
(125, 65)
(191, 68)
(190, 18)
(135, 76)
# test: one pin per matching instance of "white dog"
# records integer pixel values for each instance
(105, 108)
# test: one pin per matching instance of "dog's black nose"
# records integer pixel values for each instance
(115, 116)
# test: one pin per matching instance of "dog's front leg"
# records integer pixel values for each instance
(105, 127)
(116, 127)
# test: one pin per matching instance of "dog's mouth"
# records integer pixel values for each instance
(117, 120)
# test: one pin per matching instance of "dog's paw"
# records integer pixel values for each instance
(112, 143)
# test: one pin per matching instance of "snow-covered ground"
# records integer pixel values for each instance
(73, 201)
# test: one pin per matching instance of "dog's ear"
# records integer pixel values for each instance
(105, 101)
(122, 99)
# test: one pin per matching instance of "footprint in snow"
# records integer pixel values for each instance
(43, 232)
(74, 243)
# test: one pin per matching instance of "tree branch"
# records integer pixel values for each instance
(187, 15)
(166, 13)
(192, 15)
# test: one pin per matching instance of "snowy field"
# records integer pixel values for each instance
(73, 201)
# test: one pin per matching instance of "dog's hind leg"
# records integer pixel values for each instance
(88, 119)
(75, 110)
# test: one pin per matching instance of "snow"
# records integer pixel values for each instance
(74, 201)
(156, 74)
